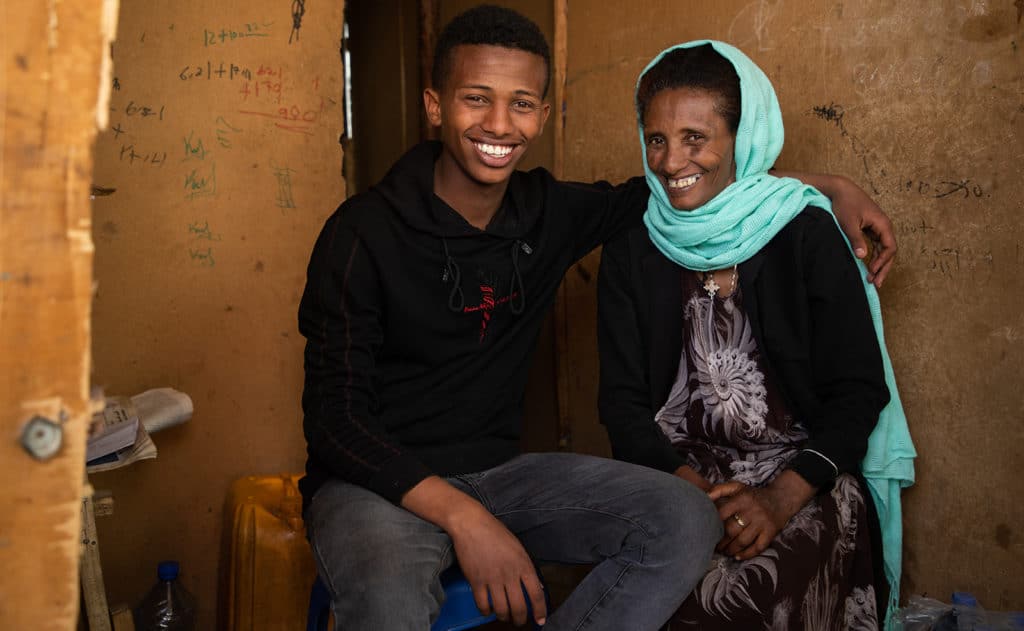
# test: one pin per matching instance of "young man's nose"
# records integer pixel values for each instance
(498, 121)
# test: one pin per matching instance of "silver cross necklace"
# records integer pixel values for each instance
(712, 287)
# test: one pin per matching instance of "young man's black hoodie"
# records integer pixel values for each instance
(419, 326)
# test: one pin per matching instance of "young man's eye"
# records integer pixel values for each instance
(475, 99)
(525, 106)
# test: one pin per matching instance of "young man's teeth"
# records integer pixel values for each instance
(684, 182)
(497, 151)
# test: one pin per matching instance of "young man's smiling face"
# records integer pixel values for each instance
(490, 108)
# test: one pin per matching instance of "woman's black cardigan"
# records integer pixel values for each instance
(804, 298)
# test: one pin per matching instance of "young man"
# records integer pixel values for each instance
(423, 303)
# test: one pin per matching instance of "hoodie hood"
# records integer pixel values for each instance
(422, 210)
(408, 189)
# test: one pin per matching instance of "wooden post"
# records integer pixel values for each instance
(93, 590)
(52, 99)
(430, 12)
(121, 618)
(561, 62)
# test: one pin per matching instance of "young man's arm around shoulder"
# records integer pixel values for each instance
(857, 213)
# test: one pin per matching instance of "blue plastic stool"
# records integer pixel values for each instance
(458, 612)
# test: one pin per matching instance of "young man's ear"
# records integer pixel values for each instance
(432, 105)
(545, 112)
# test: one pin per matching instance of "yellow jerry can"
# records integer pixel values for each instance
(269, 566)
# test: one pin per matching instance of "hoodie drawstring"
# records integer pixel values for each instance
(517, 292)
(456, 301)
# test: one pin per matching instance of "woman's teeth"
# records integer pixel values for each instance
(684, 182)
(496, 151)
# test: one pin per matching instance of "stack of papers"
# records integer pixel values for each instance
(120, 433)
(112, 428)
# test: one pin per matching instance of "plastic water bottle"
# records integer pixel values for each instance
(168, 606)
(966, 607)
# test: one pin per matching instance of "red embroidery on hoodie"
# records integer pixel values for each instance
(487, 304)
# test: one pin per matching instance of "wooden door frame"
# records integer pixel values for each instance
(53, 86)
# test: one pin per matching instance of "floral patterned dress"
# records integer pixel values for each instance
(729, 420)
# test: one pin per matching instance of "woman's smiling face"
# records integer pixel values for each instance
(689, 145)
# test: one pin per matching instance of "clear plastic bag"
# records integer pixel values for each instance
(922, 614)
(964, 614)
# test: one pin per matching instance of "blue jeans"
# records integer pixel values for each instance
(649, 533)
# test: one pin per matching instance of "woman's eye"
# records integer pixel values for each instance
(694, 138)
(654, 141)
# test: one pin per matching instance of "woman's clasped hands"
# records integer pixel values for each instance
(753, 516)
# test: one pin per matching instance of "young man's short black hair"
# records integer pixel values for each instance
(489, 25)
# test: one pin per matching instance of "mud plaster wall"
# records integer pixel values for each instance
(922, 103)
(224, 161)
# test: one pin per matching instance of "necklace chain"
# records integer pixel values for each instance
(712, 287)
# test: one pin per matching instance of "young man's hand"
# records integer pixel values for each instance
(858, 215)
(493, 560)
(687, 473)
(496, 564)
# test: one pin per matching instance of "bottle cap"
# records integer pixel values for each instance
(167, 570)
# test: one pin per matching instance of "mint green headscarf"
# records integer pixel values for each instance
(736, 224)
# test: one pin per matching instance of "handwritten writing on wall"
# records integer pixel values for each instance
(272, 97)
(226, 132)
(133, 156)
(201, 182)
(285, 200)
(924, 247)
(226, 91)
(883, 180)
(264, 90)
(226, 35)
(298, 10)
(200, 251)
(214, 70)
(194, 149)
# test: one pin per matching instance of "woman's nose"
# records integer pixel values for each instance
(675, 159)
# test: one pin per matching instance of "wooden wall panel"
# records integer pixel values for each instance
(223, 158)
(50, 89)
(920, 103)
(386, 88)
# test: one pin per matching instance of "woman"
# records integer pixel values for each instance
(739, 352)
